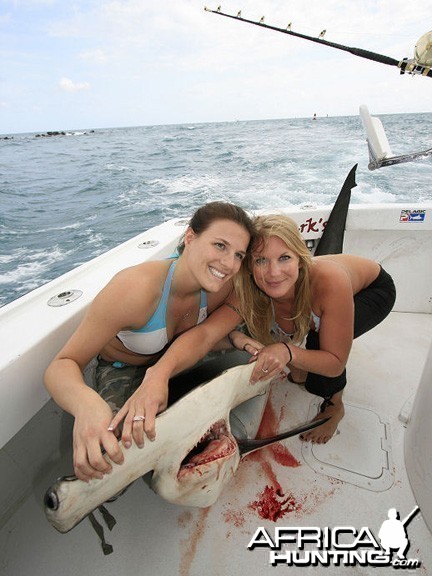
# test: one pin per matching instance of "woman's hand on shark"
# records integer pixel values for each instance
(270, 362)
(140, 410)
(91, 437)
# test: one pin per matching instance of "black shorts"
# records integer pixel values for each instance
(371, 306)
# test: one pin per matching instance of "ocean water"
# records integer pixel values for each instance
(66, 199)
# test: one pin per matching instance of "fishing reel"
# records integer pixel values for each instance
(422, 61)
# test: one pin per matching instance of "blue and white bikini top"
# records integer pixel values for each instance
(279, 332)
(152, 338)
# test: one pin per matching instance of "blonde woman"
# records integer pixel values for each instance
(286, 296)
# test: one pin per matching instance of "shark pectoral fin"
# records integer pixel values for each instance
(250, 445)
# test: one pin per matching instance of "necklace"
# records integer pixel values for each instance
(180, 317)
(187, 314)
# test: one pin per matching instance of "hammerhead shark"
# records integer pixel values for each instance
(195, 453)
(192, 459)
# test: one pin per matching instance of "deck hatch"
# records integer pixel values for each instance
(359, 454)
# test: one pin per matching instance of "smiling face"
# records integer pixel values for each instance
(217, 253)
(275, 268)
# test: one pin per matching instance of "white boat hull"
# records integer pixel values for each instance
(384, 370)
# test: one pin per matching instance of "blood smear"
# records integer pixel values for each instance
(271, 504)
(235, 517)
(283, 456)
(270, 427)
(190, 545)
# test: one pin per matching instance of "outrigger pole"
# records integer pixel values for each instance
(405, 65)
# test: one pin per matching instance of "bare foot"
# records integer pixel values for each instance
(322, 434)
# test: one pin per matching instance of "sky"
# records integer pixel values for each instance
(83, 64)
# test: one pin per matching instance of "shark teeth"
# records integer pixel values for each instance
(217, 443)
(216, 273)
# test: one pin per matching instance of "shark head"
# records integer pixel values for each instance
(203, 471)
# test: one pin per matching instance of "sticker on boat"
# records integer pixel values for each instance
(412, 216)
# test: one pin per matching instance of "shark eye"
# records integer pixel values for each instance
(51, 500)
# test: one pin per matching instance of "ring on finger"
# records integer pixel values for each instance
(265, 370)
(138, 418)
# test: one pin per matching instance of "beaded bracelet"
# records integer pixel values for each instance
(289, 350)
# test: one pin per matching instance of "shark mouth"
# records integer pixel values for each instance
(217, 443)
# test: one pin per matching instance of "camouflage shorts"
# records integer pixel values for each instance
(116, 385)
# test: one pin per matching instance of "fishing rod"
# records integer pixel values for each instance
(420, 64)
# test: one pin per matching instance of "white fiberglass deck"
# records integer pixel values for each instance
(155, 537)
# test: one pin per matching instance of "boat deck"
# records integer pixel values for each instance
(352, 481)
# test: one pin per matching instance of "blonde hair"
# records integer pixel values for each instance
(255, 306)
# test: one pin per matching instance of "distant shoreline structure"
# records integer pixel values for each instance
(31, 133)
(50, 133)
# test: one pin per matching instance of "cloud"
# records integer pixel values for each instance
(68, 85)
(96, 56)
(172, 62)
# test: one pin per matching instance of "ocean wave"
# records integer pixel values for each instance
(88, 197)
(31, 265)
(117, 168)
(365, 195)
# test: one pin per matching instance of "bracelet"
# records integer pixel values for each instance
(289, 350)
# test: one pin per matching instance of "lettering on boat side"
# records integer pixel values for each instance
(412, 216)
(310, 226)
(339, 546)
